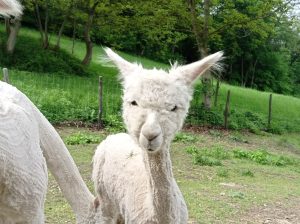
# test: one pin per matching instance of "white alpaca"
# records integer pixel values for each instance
(132, 172)
(26, 137)
(10, 8)
(26, 140)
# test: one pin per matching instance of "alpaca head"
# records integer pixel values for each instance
(10, 8)
(155, 102)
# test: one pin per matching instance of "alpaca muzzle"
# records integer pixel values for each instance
(151, 135)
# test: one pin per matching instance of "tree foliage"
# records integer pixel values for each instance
(260, 38)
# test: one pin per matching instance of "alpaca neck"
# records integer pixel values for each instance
(159, 169)
(64, 169)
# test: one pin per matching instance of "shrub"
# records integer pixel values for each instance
(208, 156)
(114, 123)
(261, 156)
(82, 138)
(184, 137)
(223, 173)
(247, 173)
(203, 160)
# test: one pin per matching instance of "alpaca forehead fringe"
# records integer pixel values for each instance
(10, 8)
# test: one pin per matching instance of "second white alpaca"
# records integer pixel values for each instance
(133, 172)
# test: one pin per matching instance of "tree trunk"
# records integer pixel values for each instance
(39, 21)
(74, 35)
(242, 70)
(253, 73)
(43, 30)
(46, 38)
(195, 25)
(11, 41)
(202, 36)
(206, 78)
(61, 30)
(87, 38)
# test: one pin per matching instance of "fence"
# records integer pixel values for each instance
(72, 98)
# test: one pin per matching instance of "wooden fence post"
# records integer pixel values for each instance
(270, 112)
(100, 110)
(227, 110)
(217, 92)
(5, 75)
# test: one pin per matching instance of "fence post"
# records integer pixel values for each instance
(5, 75)
(270, 112)
(227, 110)
(217, 92)
(100, 110)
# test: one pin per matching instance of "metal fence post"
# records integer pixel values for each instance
(227, 110)
(270, 112)
(100, 109)
(5, 75)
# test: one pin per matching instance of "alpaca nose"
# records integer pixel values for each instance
(151, 129)
(151, 136)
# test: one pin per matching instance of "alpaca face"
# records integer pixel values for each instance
(154, 107)
(155, 102)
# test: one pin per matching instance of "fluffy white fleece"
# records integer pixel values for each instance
(26, 138)
(23, 171)
(132, 172)
(10, 8)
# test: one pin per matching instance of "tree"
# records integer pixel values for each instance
(13, 27)
(90, 10)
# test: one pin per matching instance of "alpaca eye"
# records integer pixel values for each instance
(133, 103)
(174, 108)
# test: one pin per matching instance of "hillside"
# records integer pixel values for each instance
(66, 91)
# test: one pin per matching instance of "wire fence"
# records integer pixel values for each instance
(64, 98)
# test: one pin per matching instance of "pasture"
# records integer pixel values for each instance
(64, 91)
(226, 176)
(224, 186)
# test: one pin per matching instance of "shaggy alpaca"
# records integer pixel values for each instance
(10, 8)
(132, 172)
(26, 137)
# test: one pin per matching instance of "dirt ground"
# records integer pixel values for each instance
(284, 212)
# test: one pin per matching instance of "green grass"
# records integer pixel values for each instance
(214, 194)
(70, 92)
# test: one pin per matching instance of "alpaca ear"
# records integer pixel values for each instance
(189, 73)
(124, 66)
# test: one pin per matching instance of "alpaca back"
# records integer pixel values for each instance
(23, 171)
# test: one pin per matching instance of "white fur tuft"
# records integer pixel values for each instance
(10, 8)
(191, 72)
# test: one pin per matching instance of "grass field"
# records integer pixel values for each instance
(239, 190)
(76, 96)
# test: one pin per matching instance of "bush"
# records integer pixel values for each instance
(247, 173)
(203, 160)
(208, 156)
(82, 138)
(114, 123)
(261, 156)
(223, 173)
(184, 137)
